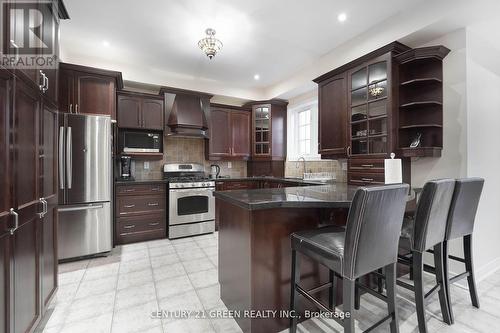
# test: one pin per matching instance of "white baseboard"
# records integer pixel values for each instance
(485, 271)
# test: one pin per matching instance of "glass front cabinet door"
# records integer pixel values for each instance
(369, 108)
(261, 130)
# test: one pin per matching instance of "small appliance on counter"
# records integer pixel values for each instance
(191, 201)
(214, 171)
(126, 168)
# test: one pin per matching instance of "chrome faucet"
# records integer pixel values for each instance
(304, 165)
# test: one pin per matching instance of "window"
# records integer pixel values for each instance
(303, 132)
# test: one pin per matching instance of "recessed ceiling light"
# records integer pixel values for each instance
(256, 77)
(342, 17)
(105, 43)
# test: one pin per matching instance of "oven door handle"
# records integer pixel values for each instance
(194, 191)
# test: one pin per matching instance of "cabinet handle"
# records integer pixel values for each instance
(132, 226)
(42, 85)
(16, 221)
(153, 204)
(348, 151)
(45, 83)
(129, 206)
(42, 213)
(76, 108)
(155, 189)
(367, 165)
(71, 108)
(129, 190)
(367, 179)
(154, 224)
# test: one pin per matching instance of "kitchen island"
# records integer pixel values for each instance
(254, 247)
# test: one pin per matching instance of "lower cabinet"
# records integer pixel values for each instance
(4, 282)
(140, 213)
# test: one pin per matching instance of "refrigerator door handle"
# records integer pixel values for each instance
(61, 157)
(78, 208)
(69, 158)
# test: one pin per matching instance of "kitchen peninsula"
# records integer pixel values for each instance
(254, 245)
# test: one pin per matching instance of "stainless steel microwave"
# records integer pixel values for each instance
(141, 142)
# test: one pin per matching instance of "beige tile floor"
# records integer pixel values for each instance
(118, 293)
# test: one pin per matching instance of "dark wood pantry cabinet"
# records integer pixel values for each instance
(140, 111)
(28, 230)
(88, 90)
(229, 133)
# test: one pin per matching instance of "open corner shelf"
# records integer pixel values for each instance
(412, 105)
(420, 98)
(420, 152)
(421, 81)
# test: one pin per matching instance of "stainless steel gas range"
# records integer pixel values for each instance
(191, 201)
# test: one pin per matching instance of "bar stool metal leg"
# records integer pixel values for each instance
(348, 287)
(440, 280)
(418, 270)
(447, 280)
(333, 291)
(390, 284)
(470, 269)
(357, 297)
(294, 294)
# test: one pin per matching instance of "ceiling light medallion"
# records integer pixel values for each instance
(210, 45)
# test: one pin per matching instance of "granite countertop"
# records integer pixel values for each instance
(139, 181)
(338, 195)
(264, 178)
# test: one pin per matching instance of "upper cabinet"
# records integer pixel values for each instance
(370, 108)
(332, 99)
(268, 130)
(229, 133)
(141, 111)
(88, 90)
(389, 100)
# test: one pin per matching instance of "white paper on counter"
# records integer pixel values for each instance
(393, 171)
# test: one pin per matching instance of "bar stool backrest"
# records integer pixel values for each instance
(373, 228)
(464, 207)
(432, 214)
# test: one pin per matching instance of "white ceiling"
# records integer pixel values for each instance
(155, 41)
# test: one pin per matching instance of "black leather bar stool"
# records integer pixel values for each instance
(426, 230)
(461, 225)
(369, 242)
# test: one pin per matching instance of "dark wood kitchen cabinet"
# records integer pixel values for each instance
(140, 212)
(229, 133)
(43, 78)
(25, 242)
(49, 192)
(268, 130)
(88, 90)
(27, 236)
(140, 111)
(332, 101)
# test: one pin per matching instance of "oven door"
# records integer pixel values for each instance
(191, 205)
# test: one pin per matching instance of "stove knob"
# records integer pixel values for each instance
(203, 184)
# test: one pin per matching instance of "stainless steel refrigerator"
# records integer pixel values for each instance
(85, 183)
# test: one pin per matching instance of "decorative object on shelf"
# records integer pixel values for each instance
(210, 45)
(416, 141)
(376, 90)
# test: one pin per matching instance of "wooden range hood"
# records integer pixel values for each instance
(186, 112)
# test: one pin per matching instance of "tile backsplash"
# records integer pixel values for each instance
(185, 150)
(296, 169)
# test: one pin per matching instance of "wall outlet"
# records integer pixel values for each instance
(146, 165)
(344, 166)
(229, 165)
